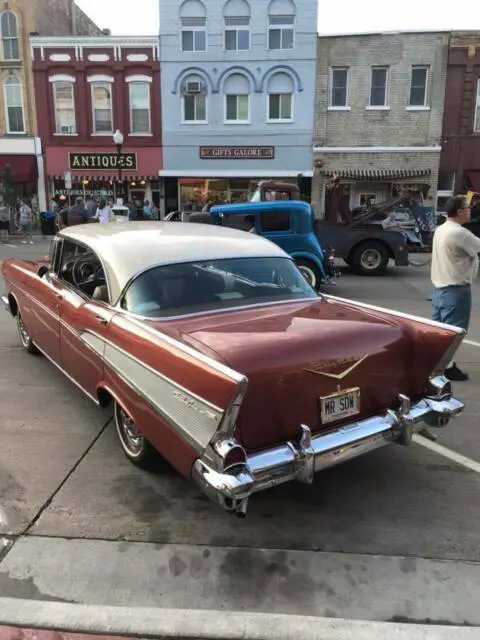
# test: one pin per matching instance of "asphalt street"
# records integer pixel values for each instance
(393, 535)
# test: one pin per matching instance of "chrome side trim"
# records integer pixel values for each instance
(193, 418)
(300, 459)
(148, 331)
(398, 314)
(67, 375)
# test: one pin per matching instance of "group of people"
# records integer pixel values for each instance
(98, 210)
(23, 221)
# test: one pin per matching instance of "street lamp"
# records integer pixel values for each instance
(118, 140)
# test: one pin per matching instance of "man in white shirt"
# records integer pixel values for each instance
(454, 268)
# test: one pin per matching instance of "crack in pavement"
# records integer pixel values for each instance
(67, 477)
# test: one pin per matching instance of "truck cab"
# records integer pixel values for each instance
(287, 223)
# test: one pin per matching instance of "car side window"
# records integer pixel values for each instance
(81, 268)
(275, 220)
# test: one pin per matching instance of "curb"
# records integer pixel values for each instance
(185, 624)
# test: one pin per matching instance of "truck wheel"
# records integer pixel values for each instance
(370, 259)
(310, 272)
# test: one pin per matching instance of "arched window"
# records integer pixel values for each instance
(237, 99)
(64, 103)
(194, 100)
(13, 98)
(281, 21)
(236, 14)
(102, 108)
(8, 27)
(193, 19)
(280, 98)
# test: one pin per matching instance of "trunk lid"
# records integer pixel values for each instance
(286, 350)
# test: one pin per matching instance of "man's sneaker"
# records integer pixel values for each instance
(31, 241)
(456, 374)
(24, 242)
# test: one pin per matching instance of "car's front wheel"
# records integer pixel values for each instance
(370, 259)
(135, 446)
(25, 337)
(310, 272)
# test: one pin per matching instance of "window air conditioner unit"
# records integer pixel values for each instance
(193, 87)
(66, 129)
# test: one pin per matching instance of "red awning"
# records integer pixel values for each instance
(24, 168)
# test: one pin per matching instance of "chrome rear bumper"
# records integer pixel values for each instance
(301, 459)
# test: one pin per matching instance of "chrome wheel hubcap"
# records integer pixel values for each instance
(371, 259)
(24, 335)
(131, 438)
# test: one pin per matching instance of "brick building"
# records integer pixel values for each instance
(20, 146)
(379, 109)
(460, 158)
(86, 88)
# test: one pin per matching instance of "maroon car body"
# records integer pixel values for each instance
(218, 355)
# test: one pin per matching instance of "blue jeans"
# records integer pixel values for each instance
(452, 305)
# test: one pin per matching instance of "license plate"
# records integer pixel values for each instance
(339, 405)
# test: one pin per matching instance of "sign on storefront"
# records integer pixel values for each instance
(101, 161)
(68, 179)
(237, 153)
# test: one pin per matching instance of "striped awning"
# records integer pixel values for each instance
(377, 174)
(114, 178)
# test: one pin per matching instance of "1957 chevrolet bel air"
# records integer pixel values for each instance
(217, 354)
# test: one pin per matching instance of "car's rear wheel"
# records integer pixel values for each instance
(370, 259)
(25, 337)
(135, 446)
(310, 272)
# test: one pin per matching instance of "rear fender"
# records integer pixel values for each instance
(194, 397)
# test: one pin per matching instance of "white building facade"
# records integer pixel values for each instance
(238, 85)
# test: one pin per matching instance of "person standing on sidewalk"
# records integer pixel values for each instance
(4, 221)
(25, 219)
(454, 269)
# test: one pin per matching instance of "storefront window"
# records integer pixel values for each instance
(195, 193)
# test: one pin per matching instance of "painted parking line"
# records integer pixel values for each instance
(468, 463)
(471, 342)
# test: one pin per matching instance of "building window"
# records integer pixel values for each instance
(280, 98)
(64, 103)
(378, 88)
(280, 106)
(8, 27)
(194, 34)
(280, 32)
(418, 87)
(237, 99)
(368, 199)
(446, 181)
(195, 108)
(102, 108)
(237, 34)
(476, 123)
(338, 86)
(237, 108)
(13, 98)
(139, 95)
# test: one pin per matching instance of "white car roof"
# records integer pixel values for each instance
(126, 250)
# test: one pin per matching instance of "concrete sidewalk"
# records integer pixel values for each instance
(202, 625)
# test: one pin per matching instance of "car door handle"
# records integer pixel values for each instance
(101, 320)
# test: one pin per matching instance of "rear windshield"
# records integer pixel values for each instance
(193, 287)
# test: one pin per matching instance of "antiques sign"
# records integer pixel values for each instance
(237, 153)
(100, 161)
